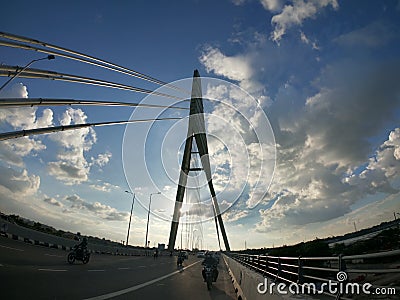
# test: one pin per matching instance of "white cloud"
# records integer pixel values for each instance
(325, 164)
(98, 209)
(18, 183)
(382, 168)
(72, 166)
(104, 187)
(53, 201)
(236, 68)
(233, 216)
(17, 90)
(296, 13)
(13, 151)
(272, 5)
(102, 159)
(239, 68)
(307, 41)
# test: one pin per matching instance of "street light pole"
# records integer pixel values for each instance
(49, 57)
(193, 237)
(148, 218)
(130, 218)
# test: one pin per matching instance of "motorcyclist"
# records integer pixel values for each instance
(180, 258)
(81, 247)
(210, 261)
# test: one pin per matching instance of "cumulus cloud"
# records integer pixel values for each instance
(325, 163)
(72, 166)
(233, 215)
(236, 68)
(316, 194)
(294, 14)
(382, 168)
(13, 151)
(18, 183)
(104, 187)
(17, 90)
(100, 210)
(239, 68)
(102, 159)
(53, 201)
(272, 5)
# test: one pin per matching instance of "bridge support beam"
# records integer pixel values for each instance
(196, 133)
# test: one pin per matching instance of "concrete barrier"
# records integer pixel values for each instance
(246, 281)
(38, 238)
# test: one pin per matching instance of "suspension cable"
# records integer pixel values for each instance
(15, 102)
(36, 131)
(80, 54)
(37, 49)
(44, 74)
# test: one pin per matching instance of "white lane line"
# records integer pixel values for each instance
(127, 268)
(16, 249)
(53, 255)
(52, 270)
(136, 287)
(142, 266)
(96, 270)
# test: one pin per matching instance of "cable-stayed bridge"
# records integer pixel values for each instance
(196, 127)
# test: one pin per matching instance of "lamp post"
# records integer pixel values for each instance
(194, 230)
(148, 218)
(49, 57)
(130, 218)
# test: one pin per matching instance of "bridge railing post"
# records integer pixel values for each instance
(300, 270)
(342, 268)
(278, 272)
(266, 265)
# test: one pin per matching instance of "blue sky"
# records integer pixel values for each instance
(325, 73)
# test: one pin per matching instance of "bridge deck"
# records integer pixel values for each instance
(34, 272)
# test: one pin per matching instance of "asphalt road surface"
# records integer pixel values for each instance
(34, 272)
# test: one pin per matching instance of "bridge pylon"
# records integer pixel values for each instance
(196, 134)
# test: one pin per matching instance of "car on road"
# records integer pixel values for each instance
(201, 254)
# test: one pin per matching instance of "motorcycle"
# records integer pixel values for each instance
(79, 254)
(209, 276)
(179, 261)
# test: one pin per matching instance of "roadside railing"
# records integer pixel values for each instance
(323, 272)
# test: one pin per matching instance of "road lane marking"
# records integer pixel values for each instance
(142, 266)
(136, 287)
(16, 249)
(52, 270)
(127, 268)
(53, 255)
(96, 270)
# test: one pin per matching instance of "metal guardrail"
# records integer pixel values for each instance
(305, 270)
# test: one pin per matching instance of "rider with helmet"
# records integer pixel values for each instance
(210, 261)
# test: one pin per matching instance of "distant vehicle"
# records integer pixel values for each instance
(185, 255)
(200, 254)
